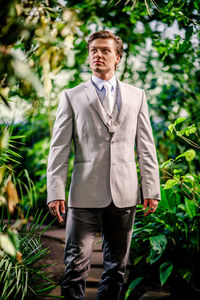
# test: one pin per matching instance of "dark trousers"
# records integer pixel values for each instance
(81, 228)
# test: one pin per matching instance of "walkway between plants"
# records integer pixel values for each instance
(54, 239)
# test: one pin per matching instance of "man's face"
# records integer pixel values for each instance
(103, 57)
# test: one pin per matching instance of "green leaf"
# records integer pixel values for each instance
(196, 4)
(164, 204)
(167, 163)
(186, 274)
(189, 130)
(189, 155)
(158, 244)
(179, 120)
(177, 176)
(169, 218)
(167, 203)
(171, 127)
(188, 178)
(132, 285)
(14, 238)
(18, 274)
(165, 271)
(190, 207)
(170, 183)
(45, 289)
(138, 259)
(153, 257)
(177, 171)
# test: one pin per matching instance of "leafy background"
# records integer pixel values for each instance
(43, 51)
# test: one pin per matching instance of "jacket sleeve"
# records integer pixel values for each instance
(146, 152)
(58, 159)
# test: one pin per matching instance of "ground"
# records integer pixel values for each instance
(54, 239)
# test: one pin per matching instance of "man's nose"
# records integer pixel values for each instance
(98, 53)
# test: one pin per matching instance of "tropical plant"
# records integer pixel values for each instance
(21, 273)
(166, 244)
(12, 185)
(35, 37)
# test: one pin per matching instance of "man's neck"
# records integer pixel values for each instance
(106, 76)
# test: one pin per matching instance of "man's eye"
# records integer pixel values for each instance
(94, 50)
(105, 50)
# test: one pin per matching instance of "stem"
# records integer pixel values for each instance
(190, 142)
(185, 191)
(190, 192)
(163, 170)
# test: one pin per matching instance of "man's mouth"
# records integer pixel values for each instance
(98, 62)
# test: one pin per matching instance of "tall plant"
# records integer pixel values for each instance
(21, 273)
(166, 244)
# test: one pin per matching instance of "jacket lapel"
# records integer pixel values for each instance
(94, 102)
(124, 102)
(124, 106)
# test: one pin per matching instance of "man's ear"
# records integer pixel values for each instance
(118, 60)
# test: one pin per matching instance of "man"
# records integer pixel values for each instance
(105, 118)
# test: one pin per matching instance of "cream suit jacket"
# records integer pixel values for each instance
(104, 166)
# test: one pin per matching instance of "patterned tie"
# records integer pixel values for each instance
(109, 99)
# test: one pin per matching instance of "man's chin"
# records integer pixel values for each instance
(98, 68)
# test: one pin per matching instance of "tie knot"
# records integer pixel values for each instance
(107, 86)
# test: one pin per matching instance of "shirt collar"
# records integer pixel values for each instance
(98, 82)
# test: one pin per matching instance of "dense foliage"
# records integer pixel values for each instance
(47, 52)
(165, 246)
(21, 276)
(43, 51)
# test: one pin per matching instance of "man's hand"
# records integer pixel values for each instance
(55, 207)
(152, 204)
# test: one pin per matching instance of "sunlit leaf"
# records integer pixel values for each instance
(7, 245)
(189, 130)
(12, 196)
(179, 120)
(167, 163)
(177, 171)
(170, 183)
(171, 127)
(189, 155)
